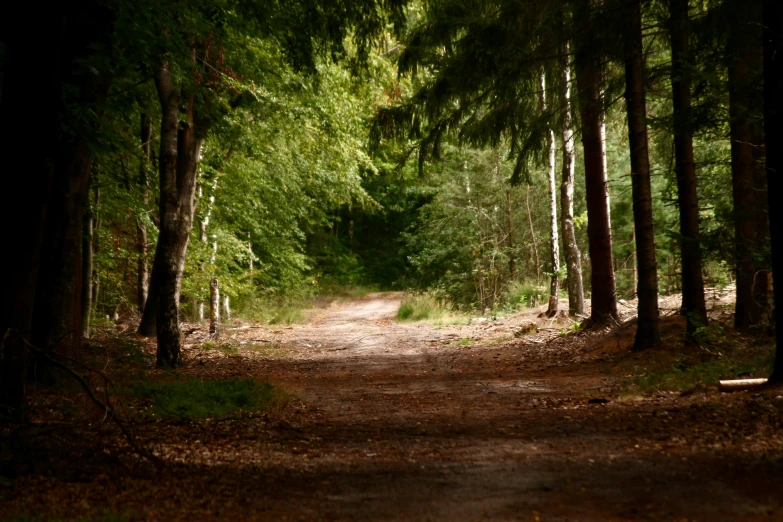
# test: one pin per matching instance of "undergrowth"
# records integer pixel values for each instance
(198, 399)
(424, 307)
(294, 309)
(719, 355)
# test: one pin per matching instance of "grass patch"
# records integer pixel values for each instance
(721, 355)
(269, 349)
(295, 310)
(424, 307)
(526, 295)
(227, 348)
(198, 399)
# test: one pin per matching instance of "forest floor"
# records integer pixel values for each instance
(406, 421)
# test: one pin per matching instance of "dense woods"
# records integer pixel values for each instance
(169, 158)
(391, 259)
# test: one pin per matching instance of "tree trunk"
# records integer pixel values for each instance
(180, 149)
(599, 232)
(512, 263)
(214, 308)
(647, 331)
(573, 259)
(87, 268)
(227, 308)
(29, 108)
(532, 234)
(554, 241)
(773, 115)
(142, 287)
(57, 319)
(744, 104)
(693, 305)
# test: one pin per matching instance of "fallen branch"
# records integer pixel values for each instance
(740, 384)
(106, 407)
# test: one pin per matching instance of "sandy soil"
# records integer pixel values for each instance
(414, 422)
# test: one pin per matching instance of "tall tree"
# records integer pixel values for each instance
(554, 249)
(693, 305)
(647, 331)
(576, 304)
(744, 53)
(773, 114)
(599, 231)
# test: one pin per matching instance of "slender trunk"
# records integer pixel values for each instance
(744, 64)
(647, 331)
(573, 258)
(96, 278)
(214, 308)
(599, 232)
(87, 268)
(773, 114)
(143, 272)
(554, 241)
(227, 308)
(532, 234)
(250, 248)
(511, 258)
(693, 305)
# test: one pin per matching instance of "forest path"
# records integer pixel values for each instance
(415, 422)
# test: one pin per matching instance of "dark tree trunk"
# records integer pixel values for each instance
(693, 306)
(29, 107)
(744, 108)
(57, 319)
(647, 331)
(573, 259)
(599, 231)
(773, 115)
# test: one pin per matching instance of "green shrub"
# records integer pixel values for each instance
(425, 307)
(196, 398)
(526, 295)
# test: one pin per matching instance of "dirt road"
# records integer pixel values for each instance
(459, 423)
(412, 423)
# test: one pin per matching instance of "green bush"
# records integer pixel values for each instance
(196, 398)
(526, 295)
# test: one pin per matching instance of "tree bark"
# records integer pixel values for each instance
(142, 287)
(532, 234)
(214, 308)
(512, 262)
(573, 258)
(693, 305)
(744, 105)
(87, 268)
(554, 241)
(57, 319)
(180, 149)
(647, 331)
(29, 107)
(773, 115)
(599, 232)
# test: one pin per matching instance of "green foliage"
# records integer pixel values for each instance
(526, 295)
(197, 399)
(426, 307)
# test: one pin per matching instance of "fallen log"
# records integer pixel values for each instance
(740, 384)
